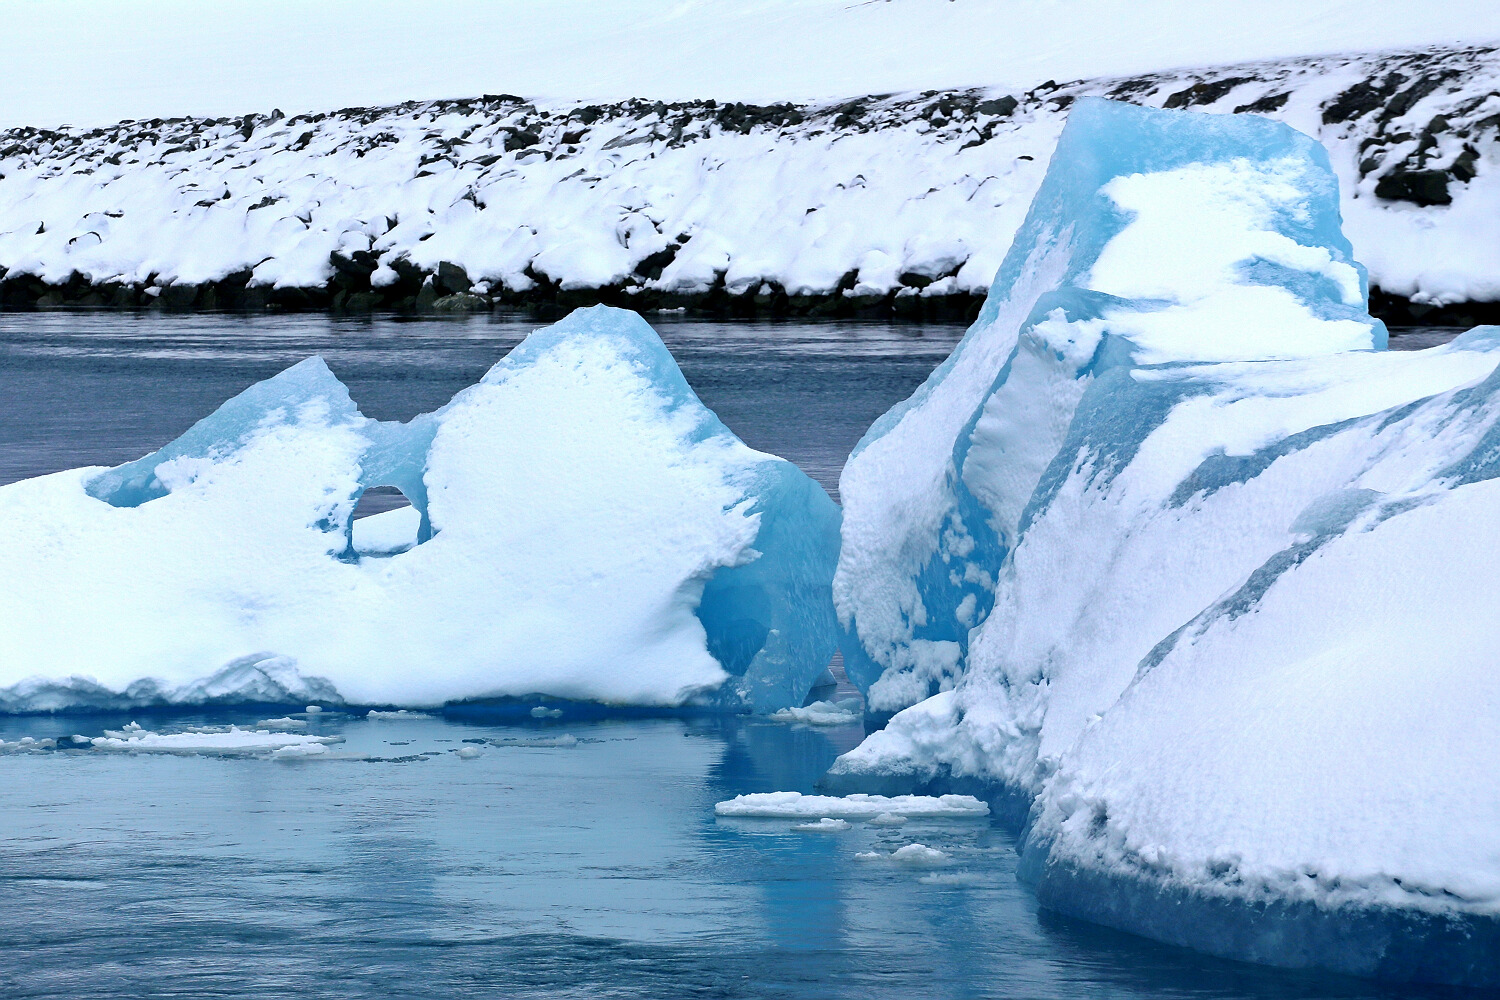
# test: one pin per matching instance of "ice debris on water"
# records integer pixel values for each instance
(376, 715)
(469, 753)
(585, 528)
(824, 825)
(911, 856)
(796, 805)
(822, 713)
(1174, 549)
(210, 740)
(889, 819)
(543, 712)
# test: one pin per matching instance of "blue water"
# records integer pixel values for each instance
(592, 867)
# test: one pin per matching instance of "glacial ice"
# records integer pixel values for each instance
(581, 527)
(1156, 237)
(1231, 566)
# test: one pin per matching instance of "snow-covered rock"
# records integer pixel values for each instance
(581, 527)
(902, 203)
(1238, 656)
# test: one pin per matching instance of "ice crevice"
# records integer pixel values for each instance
(580, 527)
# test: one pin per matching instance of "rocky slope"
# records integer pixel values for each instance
(881, 205)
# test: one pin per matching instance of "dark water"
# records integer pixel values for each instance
(593, 867)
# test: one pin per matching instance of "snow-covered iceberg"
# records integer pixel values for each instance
(1230, 568)
(581, 527)
(1156, 237)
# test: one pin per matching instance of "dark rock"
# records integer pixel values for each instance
(1205, 92)
(1360, 99)
(651, 266)
(1420, 187)
(1465, 167)
(452, 279)
(516, 139)
(1264, 105)
(460, 303)
(1001, 106)
(572, 138)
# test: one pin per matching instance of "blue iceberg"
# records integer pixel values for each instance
(581, 527)
(1214, 569)
(1156, 237)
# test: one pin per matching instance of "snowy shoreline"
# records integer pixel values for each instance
(886, 206)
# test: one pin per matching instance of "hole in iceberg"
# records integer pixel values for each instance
(385, 523)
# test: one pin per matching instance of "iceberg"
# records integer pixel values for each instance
(581, 527)
(1230, 667)
(1156, 237)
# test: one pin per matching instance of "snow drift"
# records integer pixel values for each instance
(581, 527)
(1202, 573)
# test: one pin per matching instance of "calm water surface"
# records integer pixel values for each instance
(566, 859)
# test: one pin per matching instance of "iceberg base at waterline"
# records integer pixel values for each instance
(581, 527)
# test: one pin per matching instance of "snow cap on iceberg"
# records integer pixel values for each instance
(585, 529)
(1157, 237)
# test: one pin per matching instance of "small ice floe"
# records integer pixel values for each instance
(888, 819)
(286, 723)
(314, 709)
(911, 856)
(822, 713)
(469, 753)
(565, 740)
(824, 825)
(213, 740)
(375, 715)
(28, 744)
(543, 712)
(952, 878)
(795, 805)
(293, 751)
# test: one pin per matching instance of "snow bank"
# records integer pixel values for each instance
(1243, 211)
(1238, 653)
(896, 203)
(795, 805)
(585, 529)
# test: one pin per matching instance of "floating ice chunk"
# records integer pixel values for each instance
(824, 825)
(543, 712)
(1246, 262)
(911, 856)
(283, 723)
(299, 750)
(586, 529)
(469, 753)
(822, 713)
(889, 819)
(954, 879)
(376, 715)
(795, 805)
(565, 741)
(209, 740)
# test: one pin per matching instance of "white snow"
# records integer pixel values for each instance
(795, 805)
(239, 55)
